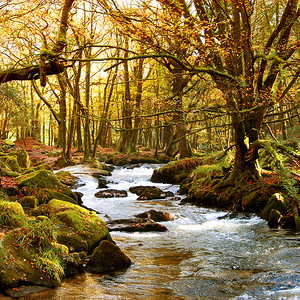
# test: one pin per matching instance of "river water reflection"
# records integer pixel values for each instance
(199, 257)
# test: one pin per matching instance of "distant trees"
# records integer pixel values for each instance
(170, 74)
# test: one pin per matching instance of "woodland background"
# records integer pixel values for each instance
(172, 75)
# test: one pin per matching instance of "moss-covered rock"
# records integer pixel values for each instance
(175, 172)
(23, 158)
(12, 214)
(73, 264)
(107, 257)
(66, 177)
(274, 218)
(29, 255)
(43, 179)
(29, 201)
(83, 222)
(11, 162)
(38, 168)
(9, 165)
(69, 237)
(45, 195)
(276, 202)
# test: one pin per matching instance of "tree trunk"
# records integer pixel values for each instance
(178, 84)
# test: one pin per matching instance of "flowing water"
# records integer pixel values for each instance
(199, 257)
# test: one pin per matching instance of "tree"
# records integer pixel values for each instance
(221, 38)
(49, 58)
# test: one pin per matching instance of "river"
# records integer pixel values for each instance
(199, 257)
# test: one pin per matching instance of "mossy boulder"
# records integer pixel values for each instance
(23, 158)
(45, 195)
(11, 161)
(73, 264)
(176, 172)
(83, 222)
(9, 165)
(29, 255)
(69, 237)
(276, 202)
(29, 202)
(66, 177)
(41, 179)
(274, 218)
(38, 168)
(12, 214)
(107, 257)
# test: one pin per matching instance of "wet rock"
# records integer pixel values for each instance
(138, 190)
(101, 173)
(235, 215)
(25, 291)
(140, 227)
(102, 183)
(121, 159)
(154, 193)
(156, 216)
(73, 264)
(150, 192)
(127, 221)
(131, 167)
(111, 193)
(274, 218)
(276, 202)
(107, 257)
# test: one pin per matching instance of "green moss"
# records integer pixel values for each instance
(12, 214)
(43, 179)
(28, 201)
(37, 168)
(45, 195)
(82, 221)
(72, 240)
(11, 162)
(66, 177)
(277, 203)
(176, 172)
(30, 254)
(23, 158)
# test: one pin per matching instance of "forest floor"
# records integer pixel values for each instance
(40, 153)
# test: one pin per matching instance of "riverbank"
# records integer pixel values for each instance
(204, 252)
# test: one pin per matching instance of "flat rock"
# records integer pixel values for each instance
(111, 193)
(138, 227)
(156, 216)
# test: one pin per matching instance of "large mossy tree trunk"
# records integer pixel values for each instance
(179, 82)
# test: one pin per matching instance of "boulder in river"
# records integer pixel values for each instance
(156, 216)
(111, 193)
(150, 192)
(107, 257)
(86, 224)
(135, 225)
(176, 172)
